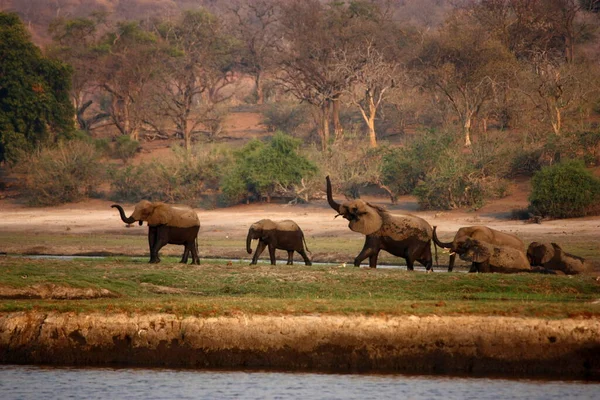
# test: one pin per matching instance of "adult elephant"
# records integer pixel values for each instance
(405, 236)
(481, 233)
(167, 224)
(493, 258)
(551, 256)
(283, 235)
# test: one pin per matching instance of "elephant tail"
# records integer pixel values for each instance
(305, 246)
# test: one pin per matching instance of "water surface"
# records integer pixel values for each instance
(45, 383)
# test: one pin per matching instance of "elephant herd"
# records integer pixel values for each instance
(404, 236)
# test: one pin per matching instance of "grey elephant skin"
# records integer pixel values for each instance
(491, 258)
(551, 256)
(283, 235)
(405, 236)
(481, 233)
(167, 224)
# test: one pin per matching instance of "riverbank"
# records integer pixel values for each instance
(475, 345)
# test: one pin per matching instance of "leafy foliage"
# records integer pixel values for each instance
(34, 99)
(564, 190)
(185, 176)
(261, 168)
(66, 173)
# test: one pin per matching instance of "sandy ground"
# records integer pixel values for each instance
(315, 219)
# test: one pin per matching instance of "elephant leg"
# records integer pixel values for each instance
(290, 257)
(194, 250)
(161, 241)
(259, 249)
(373, 260)
(368, 250)
(451, 262)
(305, 257)
(186, 252)
(272, 253)
(152, 240)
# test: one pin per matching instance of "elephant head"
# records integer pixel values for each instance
(363, 217)
(473, 250)
(257, 231)
(539, 254)
(159, 213)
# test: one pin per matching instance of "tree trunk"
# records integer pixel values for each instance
(325, 125)
(467, 131)
(337, 125)
(260, 96)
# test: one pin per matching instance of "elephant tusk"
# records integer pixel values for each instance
(452, 253)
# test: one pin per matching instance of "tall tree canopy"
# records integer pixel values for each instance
(34, 92)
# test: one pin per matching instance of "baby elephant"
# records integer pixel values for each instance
(491, 258)
(552, 257)
(283, 235)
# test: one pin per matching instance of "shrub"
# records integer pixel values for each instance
(67, 173)
(264, 168)
(284, 117)
(125, 148)
(564, 190)
(403, 168)
(185, 176)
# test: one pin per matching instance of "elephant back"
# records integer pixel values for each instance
(179, 216)
(288, 225)
(265, 225)
(402, 227)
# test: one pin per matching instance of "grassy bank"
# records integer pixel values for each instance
(221, 288)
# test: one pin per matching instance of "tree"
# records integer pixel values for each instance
(34, 92)
(198, 67)
(127, 59)
(464, 64)
(319, 54)
(255, 24)
(74, 43)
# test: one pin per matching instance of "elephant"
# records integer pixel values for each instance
(487, 257)
(167, 224)
(551, 256)
(283, 235)
(482, 233)
(405, 236)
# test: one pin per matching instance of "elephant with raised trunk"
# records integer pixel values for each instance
(284, 235)
(551, 256)
(481, 233)
(405, 236)
(167, 224)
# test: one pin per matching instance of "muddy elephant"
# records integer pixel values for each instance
(493, 258)
(405, 236)
(551, 256)
(481, 233)
(167, 224)
(284, 235)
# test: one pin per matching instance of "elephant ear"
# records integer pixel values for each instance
(161, 215)
(364, 217)
(545, 252)
(476, 251)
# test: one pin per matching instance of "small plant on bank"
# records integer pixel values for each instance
(564, 190)
(125, 148)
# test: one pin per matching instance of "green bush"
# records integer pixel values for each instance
(184, 176)
(262, 169)
(125, 148)
(66, 173)
(403, 168)
(564, 190)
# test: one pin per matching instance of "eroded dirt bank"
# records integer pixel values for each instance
(479, 345)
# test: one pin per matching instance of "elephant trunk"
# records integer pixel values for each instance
(127, 220)
(332, 203)
(447, 245)
(249, 241)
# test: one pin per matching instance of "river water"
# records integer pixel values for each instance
(46, 383)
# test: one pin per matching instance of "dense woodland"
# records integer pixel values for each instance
(446, 100)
